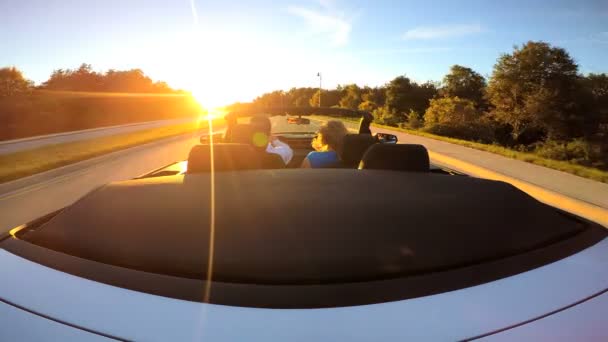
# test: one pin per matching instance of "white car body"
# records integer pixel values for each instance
(564, 300)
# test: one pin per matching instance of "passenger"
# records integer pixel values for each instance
(327, 144)
(263, 137)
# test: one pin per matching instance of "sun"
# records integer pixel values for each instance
(210, 113)
(208, 99)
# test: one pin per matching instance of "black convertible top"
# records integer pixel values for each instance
(298, 227)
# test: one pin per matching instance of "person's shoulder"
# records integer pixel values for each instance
(322, 155)
(314, 154)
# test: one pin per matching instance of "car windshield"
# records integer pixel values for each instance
(292, 125)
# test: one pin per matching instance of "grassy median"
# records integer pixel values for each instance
(579, 170)
(26, 163)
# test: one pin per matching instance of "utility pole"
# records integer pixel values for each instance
(320, 87)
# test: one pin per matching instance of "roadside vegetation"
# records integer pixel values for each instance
(26, 163)
(82, 98)
(535, 107)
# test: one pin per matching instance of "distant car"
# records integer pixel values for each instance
(382, 247)
(298, 120)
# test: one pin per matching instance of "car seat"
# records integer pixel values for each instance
(402, 157)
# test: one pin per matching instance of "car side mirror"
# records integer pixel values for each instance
(385, 138)
(217, 138)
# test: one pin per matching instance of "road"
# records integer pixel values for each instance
(23, 205)
(45, 193)
(583, 189)
(11, 146)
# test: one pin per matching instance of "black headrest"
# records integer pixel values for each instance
(353, 148)
(226, 157)
(271, 161)
(240, 134)
(401, 157)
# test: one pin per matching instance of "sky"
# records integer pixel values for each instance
(226, 51)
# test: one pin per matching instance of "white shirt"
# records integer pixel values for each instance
(280, 148)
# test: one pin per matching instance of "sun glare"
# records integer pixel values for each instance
(211, 114)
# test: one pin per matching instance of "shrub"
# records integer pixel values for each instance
(385, 116)
(451, 111)
(414, 120)
(578, 151)
(368, 106)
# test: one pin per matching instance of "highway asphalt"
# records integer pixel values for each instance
(583, 189)
(25, 200)
(22, 205)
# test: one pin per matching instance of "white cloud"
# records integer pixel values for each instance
(439, 32)
(333, 25)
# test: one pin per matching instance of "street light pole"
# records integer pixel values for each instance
(320, 88)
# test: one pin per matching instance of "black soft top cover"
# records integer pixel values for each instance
(304, 226)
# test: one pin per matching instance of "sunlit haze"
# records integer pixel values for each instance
(233, 52)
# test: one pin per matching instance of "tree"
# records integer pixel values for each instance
(85, 79)
(464, 83)
(399, 94)
(534, 88)
(302, 101)
(403, 95)
(452, 111)
(276, 98)
(595, 86)
(368, 106)
(329, 98)
(352, 97)
(414, 120)
(376, 95)
(12, 82)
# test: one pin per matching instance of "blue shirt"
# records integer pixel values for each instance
(323, 159)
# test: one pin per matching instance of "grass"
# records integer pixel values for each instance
(579, 170)
(575, 169)
(26, 163)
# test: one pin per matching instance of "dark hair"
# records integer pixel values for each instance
(261, 123)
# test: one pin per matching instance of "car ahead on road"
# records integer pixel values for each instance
(383, 248)
(298, 120)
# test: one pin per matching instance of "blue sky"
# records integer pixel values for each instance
(226, 51)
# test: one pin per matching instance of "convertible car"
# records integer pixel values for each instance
(230, 245)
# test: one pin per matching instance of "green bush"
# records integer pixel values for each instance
(414, 121)
(368, 106)
(577, 151)
(45, 112)
(385, 116)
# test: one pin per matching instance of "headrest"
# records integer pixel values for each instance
(353, 148)
(271, 161)
(248, 134)
(226, 157)
(241, 134)
(401, 157)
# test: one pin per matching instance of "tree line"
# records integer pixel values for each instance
(534, 101)
(83, 78)
(81, 98)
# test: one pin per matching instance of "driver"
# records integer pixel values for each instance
(262, 136)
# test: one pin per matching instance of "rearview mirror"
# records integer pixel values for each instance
(217, 138)
(385, 138)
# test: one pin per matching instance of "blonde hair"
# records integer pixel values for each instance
(332, 134)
